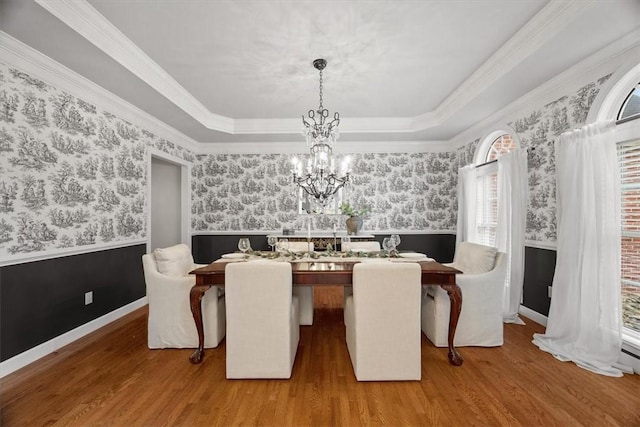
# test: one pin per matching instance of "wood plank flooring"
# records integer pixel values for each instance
(111, 378)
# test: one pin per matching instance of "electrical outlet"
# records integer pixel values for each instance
(549, 290)
(88, 298)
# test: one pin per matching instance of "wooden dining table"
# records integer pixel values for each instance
(320, 273)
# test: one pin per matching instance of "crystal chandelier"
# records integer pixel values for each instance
(318, 177)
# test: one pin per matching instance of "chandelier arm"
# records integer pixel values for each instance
(320, 181)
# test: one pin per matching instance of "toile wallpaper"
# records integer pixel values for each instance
(71, 174)
(74, 175)
(538, 132)
(407, 191)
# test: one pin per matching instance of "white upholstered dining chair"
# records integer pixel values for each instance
(355, 246)
(295, 246)
(482, 286)
(304, 293)
(382, 320)
(170, 323)
(263, 328)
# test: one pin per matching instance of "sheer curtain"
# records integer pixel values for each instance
(466, 226)
(512, 211)
(585, 321)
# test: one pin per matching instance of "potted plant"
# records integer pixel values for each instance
(354, 222)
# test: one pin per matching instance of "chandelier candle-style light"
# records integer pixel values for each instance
(318, 177)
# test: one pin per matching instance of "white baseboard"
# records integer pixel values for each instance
(23, 359)
(630, 361)
(533, 315)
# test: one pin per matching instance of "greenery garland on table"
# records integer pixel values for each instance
(329, 253)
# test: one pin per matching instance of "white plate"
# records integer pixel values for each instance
(411, 255)
(233, 256)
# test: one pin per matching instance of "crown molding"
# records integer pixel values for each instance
(544, 26)
(89, 23)
(15, 53)
(341, 148)
(593, 67)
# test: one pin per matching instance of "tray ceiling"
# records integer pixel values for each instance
(240, 71)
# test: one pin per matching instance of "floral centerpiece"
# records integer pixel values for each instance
(354, 222)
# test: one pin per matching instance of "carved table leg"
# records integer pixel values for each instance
(195, 298)
(455, 296)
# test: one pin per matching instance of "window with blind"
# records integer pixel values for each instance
(487, 205)
(487, 190)
(629, 160)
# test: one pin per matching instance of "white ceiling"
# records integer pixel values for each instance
(240, 71)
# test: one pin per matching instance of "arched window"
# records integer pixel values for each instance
(487, 188)
(629, 161)
(622, 103)
(631, 106)
(501, 145)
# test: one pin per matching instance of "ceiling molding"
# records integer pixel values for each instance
(93, 26)
(89, 23)
(341, 148)
(593, 67)
(544, 26)
(347, 125)
(15, 53)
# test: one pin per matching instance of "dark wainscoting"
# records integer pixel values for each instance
(539, 267)
(207, 248)
(43, 299)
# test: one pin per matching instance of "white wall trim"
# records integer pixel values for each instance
(540, 245)
(342, 147)
(23, 359)
(533, 315)
(17, 54)
(23, 258)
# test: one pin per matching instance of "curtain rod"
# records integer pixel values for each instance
(493, 161)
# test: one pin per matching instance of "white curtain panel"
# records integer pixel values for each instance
(512, 212)
(585, 321)
(467, 184)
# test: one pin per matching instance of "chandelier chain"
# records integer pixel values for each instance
(320, 108)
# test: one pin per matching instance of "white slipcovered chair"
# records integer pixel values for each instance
(170, 323)
(355, 246)
(304, 293)
(295, 246)
(482, 285)
(382, 320)
(263, 328)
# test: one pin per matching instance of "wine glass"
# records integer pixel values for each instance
(396, 240)
(387, 245)
(272, 240)
(244, 245)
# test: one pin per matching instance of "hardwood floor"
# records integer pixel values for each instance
(111, 378)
